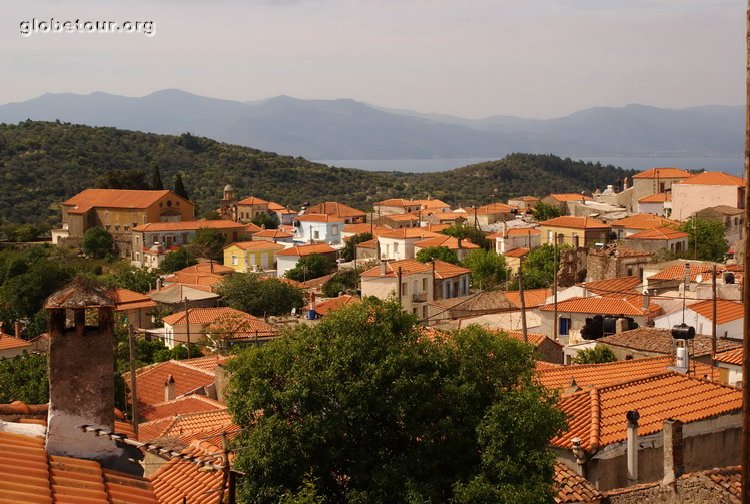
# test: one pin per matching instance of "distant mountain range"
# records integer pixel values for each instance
(347, 129)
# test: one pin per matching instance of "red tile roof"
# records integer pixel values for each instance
(409, 233)
(192, 403)
(677, 272)
(658, 233)
(726, 311)
(255, 245)
(187, 378)
(601, 375)
(517, 252)
(116, 198)
(572, 488)
(29, 475)
(212, 268)
(8, 342)
(179, 479)
(659, 341)
(656, 198)
(333, 304)
(531, 297)
(365, 227)
(714, 178)
(622, 285)
(731, 356)
(156, 227)
(603, 306)
(253, 200)
(306, 250)
(129, 300)
(202, 315)
(643, 221)
(535, 339)
(446, 241)
(575, 223)
(570, 197)
(494, 208)
(239, 325)
(334, 208)
(597, 415)
(412, 266)
(272, 233)
(662, 173)
(316, 217)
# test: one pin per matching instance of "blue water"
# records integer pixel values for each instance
(726, 164)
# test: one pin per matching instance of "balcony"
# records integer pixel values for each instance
(419, 298)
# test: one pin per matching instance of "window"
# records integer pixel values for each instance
(138, 256)
(424, 312)
(234, 260)
(117, 227)
(334, 229)
(395, 248)
(414, 310)
(549, 236)
(125, 228)
(316, 235)
(630, 270)
(404, 288)
(564, 326)
(424, 284)
(575, 240)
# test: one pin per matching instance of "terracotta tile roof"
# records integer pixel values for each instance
(432, 203)
(601, 375)
(192, 403)
(524, 231)
(658, 233)
(317, 283)
(535, 339)
(494, 208)
(205, 267)
(714, 178)
(191, 226)
(252, 200)
(255, 245)
(409, 233)
(677, 272)
(451, 216)
(29, 475)
(129, 300)
(597, 415)
(570, 197)
(178, 479)
(187, 378)
(659, 341)
(411, 266)
(569, 221)
(272, 233)
(656, 198)
(662, 173)
(603, 306)
(731, 356)
(115, 198)
(317, 217)
(607, 287)
(484, 301)
(202, 315)
(372, 244)
(724, 210)
(326, 307)
(334, 208)
(7, 342)
(410, 217)
(726, 311)
(190, 426)
(532, 297)
(275, 207)
(306, 250)
(642, 221)
(446, 241)
(396, 202)
(364, 227)
(517, 252)
(542, 365)
(572, 488)
(239, 325)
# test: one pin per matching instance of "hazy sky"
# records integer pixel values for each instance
(474, 58)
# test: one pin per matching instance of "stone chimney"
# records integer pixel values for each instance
(383, 267)
(169, 388)
(672, 451)
(17, 329)
(632, 446)
(81, 370)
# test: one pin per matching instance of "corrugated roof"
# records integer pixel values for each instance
(306, 250)
(568, 221)
(714, 178)
(597, 415)
(663, 173)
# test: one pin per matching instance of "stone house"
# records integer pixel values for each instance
(574, 231)
(705, 190)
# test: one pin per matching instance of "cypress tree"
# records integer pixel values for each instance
(179, 187)
(156, 183)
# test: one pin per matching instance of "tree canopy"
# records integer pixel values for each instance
(24, 378)
(208, 243)
(539, 266)
(463, 231)
(309, 267)
(349, 250)
(442, 253)
(597, 355)
(97, 242)
(363, 408)
(712, 246)
(177, 260)
(266, 221)
(544, 211)
(343, 281)
(487, 268)
(179, 187)
(256, 296)
(135, 279)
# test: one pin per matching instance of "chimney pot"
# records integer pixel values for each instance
(17, 327)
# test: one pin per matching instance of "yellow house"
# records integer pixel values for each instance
(574, 231)
(251, 256)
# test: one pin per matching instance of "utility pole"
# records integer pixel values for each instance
(133, 393)
(745, 452)
(555, 331)
(187, 325)
(713, 321)
(523, 301)
(400, 293)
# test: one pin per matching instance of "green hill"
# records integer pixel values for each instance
(44, 163)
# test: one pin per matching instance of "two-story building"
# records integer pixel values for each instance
(707, 189)
(574, 231)
(398, 244)
(338, 210)
(513, 238)
(313, 227)
(287, 259)
(252, 256)
(119, 211)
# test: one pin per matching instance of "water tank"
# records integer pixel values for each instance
(729, 278)
(592, 329)
(681, 360)
(608, 324)
(683, 332)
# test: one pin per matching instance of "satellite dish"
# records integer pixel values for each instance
(645, 292)
(699, 279)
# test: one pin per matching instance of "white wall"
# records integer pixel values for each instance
(284, 264)
(701, 324)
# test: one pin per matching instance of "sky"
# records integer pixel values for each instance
(471, 58)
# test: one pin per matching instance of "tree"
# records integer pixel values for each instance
(97, 242)
(179, 187)
(266, 221)
(349, 251)
(246, 292)
(539, 266)
(208, 243)
(463, 231)
(369, 410)
(24, 378)
(597, 355)
(309, 267)
(122, 179)
(544, 211)
(442, 253)
(712, 246)
(135, 279)
(343, 281)
(487, 268)
(176, 260)
(156, 183)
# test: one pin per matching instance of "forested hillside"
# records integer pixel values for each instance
(44, 163)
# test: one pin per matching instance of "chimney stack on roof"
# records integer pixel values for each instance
(383, 267)
(169, 393)
(672, 450)
(632, 446)
(17, 328)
